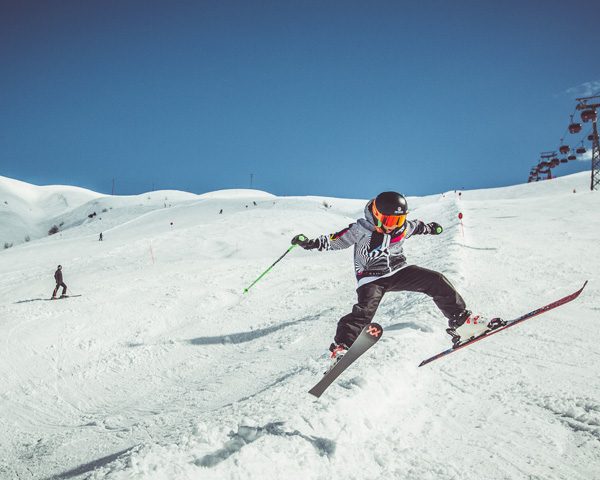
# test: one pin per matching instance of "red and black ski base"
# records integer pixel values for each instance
(365, 340)
(510, 323)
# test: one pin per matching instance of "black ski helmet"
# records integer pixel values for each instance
(391, 203)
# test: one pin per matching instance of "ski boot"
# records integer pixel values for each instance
(466, 327)
(337, 352)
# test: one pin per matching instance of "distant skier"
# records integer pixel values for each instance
(101, 237)
(380, 267)
(59, 283)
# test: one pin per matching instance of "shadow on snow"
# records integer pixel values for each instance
(413, 325)
(243, 337)
(90, 466)
(45, 299)
(246, 435)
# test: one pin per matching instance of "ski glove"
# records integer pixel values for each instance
(304, 242)
(434, 228)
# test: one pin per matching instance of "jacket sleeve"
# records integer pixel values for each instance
(339, 240)
(417, 227)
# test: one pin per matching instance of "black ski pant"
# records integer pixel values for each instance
(410, 279)
(58, 285)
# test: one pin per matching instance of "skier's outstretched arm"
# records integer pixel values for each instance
(418, 227)
(335, 241)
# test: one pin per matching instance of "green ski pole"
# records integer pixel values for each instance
(274, 263)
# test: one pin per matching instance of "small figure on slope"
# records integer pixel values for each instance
(380, 267)
(59, 283)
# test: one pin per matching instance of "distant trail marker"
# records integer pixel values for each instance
(462, 229)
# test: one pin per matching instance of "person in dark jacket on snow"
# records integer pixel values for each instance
(380, 267)
(59, 282)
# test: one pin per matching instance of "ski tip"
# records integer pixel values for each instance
(581, 289)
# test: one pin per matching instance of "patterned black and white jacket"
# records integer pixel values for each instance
(376, 255)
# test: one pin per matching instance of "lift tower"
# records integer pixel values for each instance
(589, 113)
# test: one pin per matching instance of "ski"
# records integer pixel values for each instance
(63, 296)
(509, 323)
(365, 340)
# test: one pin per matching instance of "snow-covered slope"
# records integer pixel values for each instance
(26, 211)
(29, 211)
(162, 369)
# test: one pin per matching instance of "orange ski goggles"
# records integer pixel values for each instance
(389, 222)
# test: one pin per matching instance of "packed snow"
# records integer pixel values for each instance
(163, 369)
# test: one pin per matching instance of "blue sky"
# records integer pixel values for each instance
(312, 97)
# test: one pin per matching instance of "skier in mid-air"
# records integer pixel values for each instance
(59, 283)
(380, 267)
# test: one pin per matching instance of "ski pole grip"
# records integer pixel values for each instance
(299, 239)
